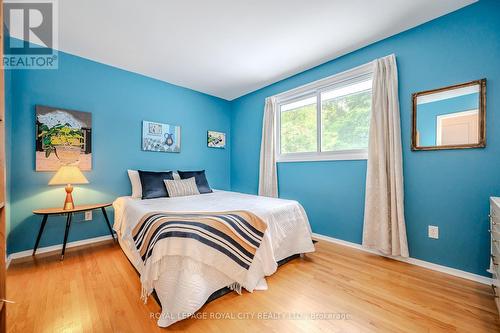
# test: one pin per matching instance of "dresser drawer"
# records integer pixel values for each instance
(495, 236)
(495, 249)
(495, 269)
(495, 259)
(494, 276)
(495, 221)
(495, 211)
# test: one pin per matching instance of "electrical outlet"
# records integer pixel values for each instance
(88, 215)
(433, 232)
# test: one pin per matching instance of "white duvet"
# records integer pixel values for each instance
(186, 284)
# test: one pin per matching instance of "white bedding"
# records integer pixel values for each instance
(187, 284)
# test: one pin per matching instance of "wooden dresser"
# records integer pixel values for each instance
(495, 246)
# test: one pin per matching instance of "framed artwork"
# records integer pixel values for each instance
(216, 139)
(161, 137)
(63, 137)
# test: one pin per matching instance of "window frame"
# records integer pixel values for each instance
(316, 88)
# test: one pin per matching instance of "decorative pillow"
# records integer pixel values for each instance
(153, 185)
(135, 182)
(181, 187)
(199, 176)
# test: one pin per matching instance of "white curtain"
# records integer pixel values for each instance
(268, 178)
(384, 223)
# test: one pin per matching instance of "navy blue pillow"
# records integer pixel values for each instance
(153, 185)
(200, 178)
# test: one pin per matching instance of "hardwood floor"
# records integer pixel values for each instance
(95, 289)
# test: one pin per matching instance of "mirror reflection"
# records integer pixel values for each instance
(449, 117)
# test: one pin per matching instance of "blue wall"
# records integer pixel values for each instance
(445, 188)
(119, 101)
(427, 114)
(449, 189)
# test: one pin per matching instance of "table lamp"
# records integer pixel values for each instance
(67, 175)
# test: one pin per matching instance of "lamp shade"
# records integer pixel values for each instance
(68, 174)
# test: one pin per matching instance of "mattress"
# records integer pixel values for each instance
(186, 284)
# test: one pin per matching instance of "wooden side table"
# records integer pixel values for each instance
(69, 213)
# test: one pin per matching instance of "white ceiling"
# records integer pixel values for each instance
(228, 48)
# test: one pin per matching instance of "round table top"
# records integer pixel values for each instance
(59, 210)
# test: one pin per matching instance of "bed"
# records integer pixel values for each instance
(187, 284)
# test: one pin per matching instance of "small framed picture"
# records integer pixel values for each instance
(216, 139)
(161, 137)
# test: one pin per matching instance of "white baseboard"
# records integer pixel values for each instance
(413, 261)
(28, 253)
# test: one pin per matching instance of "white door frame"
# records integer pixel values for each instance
(440, 118)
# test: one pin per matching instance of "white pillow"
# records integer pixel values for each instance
(181, 187)
(135, 182)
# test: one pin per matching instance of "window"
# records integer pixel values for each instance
(326, 120)
(299, 126)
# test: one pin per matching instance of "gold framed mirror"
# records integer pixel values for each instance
(452, 117)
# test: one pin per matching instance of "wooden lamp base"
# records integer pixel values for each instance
(68, 203)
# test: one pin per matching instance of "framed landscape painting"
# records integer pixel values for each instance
(216, 139)
(63, 137)
(161, 137)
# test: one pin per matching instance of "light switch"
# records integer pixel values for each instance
(88, 215)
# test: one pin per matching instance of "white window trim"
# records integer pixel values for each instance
(315, 88)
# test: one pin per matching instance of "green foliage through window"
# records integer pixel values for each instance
(298, 130)
(345, 121)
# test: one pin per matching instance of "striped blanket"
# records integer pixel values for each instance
(226, 241)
